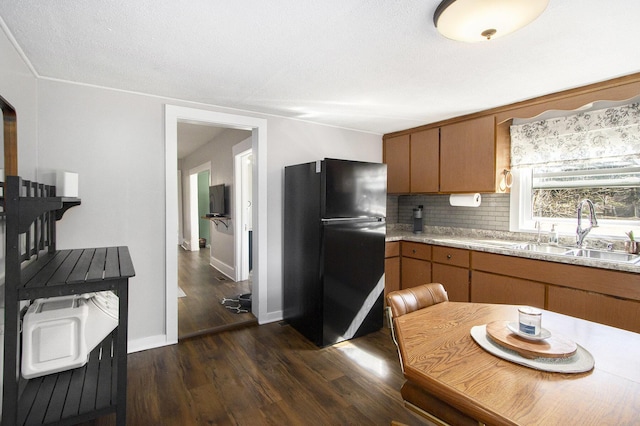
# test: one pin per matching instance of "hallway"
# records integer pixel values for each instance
(200, 311)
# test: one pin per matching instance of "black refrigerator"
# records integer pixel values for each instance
(334, 234)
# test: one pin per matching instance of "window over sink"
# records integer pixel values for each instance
(617, 207)
(557, 162)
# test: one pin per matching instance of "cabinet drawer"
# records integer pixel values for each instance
(451, 256)
(416, 250)
(392, 249)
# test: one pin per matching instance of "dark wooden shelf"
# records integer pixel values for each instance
(73, 396)
(35, 269)
(33, 207)
(77, 271)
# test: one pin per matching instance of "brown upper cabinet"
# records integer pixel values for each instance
(459, 157)
(468, 156)
(424, 163)
(471, 153)
(413, 162)
(396, 155)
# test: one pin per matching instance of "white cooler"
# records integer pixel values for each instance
(60, 332)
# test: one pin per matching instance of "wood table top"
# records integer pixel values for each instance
(440, 355)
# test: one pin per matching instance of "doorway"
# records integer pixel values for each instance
(209, 285)
(258, 128)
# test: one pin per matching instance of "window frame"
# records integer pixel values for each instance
(522, 220)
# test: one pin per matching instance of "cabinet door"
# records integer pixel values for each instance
(392, 249)
(415, 272)
(490, 288)
(425, 161)
(454, 279)
(396, 156)
(608, 310)
(391, 275)
(468, 156)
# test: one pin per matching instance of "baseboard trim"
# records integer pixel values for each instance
(151, 342)
(274, 316)
(226, 270)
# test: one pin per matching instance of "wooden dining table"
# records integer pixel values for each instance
(441, 357)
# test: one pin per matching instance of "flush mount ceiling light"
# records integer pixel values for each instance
(478, 20)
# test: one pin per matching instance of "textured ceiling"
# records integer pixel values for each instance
(372, 65)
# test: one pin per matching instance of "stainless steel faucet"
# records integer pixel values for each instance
(593, 221)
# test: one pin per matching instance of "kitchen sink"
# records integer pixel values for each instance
(614, 256)
(542, 248)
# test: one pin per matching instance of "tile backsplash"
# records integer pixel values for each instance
(492, 214)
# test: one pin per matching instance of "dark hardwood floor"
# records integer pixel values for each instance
(257, 375)
(266, 375)
(201, 312)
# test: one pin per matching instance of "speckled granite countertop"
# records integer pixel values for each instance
(501, 243)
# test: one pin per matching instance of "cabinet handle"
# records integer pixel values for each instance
(414, 251)
(448, 256)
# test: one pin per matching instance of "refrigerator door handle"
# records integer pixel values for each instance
(352, 219)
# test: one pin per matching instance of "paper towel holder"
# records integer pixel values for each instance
(465, 200)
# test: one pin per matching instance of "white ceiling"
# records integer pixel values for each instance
(372, 65)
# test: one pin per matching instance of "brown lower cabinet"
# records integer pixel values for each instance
(423, 263)
(595, 307)
(391, 267)
(415, 264)
(601, 295)
(451, 269)
(492, 288)
(454, 279)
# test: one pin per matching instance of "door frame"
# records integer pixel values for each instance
(240, 151)
(258, 128)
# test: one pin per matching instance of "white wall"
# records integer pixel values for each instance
(294, 142)
(115, 142)
(18, 87)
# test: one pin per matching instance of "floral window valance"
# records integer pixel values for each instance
(605, 133)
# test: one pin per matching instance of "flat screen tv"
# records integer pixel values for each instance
(217, 200)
